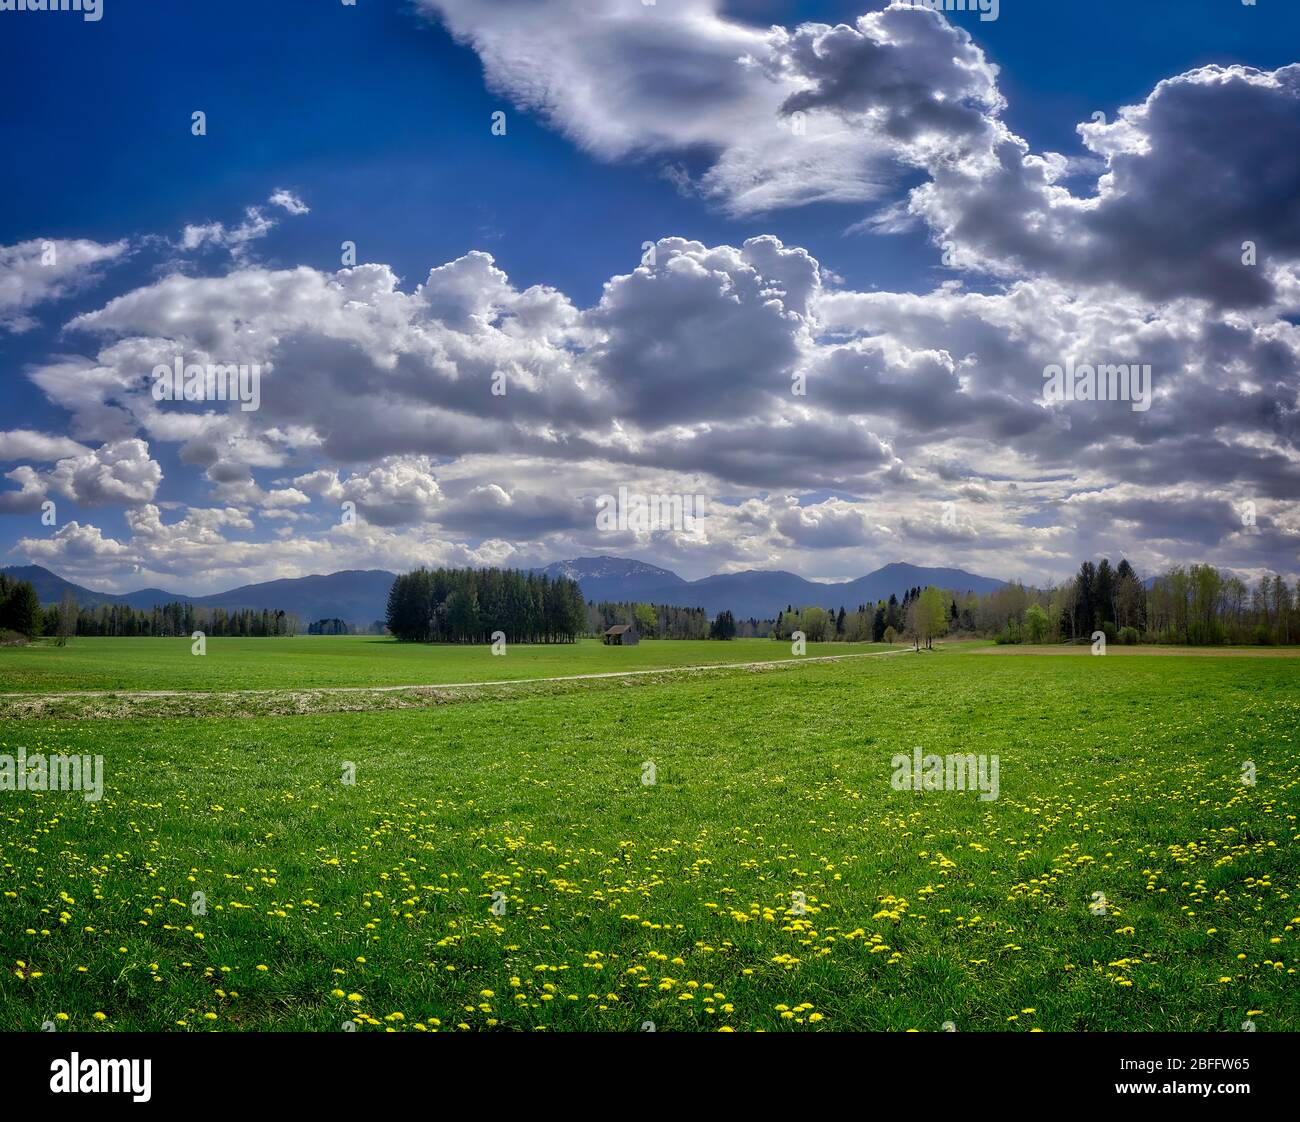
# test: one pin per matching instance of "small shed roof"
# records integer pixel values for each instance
(619, 628)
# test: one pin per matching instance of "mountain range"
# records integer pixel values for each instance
(361, 595)
(759, 593)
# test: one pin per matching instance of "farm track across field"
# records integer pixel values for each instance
(775, 662)
(305, 698)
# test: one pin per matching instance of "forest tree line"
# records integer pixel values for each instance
(470, 605)
(176, 619)
(1198, 605)
(1195, 605)
(882, 622)
(21, 613)
(652, 621)
(336, 626)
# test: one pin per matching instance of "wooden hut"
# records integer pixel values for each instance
(622, 635)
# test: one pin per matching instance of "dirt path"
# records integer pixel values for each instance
(215, 694)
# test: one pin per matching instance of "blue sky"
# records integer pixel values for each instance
(377, 121)
(382, 116)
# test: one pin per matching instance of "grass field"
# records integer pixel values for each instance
(352, 660)
(372, 904)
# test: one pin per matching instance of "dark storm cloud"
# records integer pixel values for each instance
(1210, 161)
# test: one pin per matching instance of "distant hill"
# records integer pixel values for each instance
(360, 596)
(760, 593)
(49, 587)
(615, 578)
(897, 577)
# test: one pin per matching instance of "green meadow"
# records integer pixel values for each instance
(700, 851)
(317, 661)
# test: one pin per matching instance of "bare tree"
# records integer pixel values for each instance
(67, 618)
